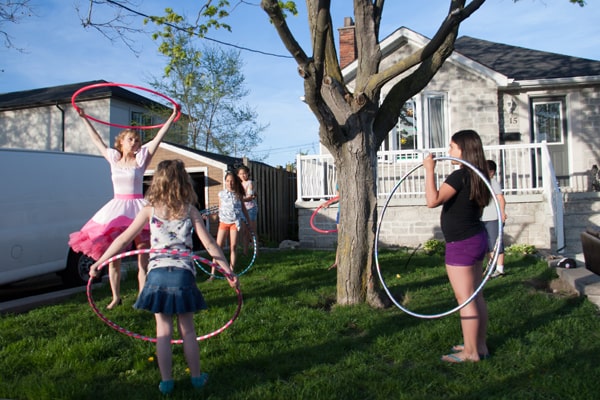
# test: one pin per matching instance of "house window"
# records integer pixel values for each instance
(436, 121)
(140, 119)
(404, 135)
(548, 118)
(416, 130)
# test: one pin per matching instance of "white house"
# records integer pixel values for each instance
(538, 114)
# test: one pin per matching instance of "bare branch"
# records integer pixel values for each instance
(449, 26)
(271, 7)
(117, 28)
(13, 12)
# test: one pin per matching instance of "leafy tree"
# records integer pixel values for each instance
(210, 86)
(354, 123)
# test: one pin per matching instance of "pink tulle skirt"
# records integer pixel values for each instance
(108, 223)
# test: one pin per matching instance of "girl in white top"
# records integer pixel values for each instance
(231, 211)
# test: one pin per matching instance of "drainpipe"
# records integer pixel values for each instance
(62, 117)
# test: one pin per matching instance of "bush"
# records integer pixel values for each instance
(435, 246)
(524, 249)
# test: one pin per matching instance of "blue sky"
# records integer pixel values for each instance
(58, 50)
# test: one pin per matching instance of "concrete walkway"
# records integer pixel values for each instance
(583, 281)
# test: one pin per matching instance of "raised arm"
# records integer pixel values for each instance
(155, 142)
(433, 196)
(96, 139)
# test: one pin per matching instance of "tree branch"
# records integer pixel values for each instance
(457, 13)
(367, 18)
(271, 7)
(389, 111)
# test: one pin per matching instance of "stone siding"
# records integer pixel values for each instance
(411, 224)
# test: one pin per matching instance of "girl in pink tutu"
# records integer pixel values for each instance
(128, 162)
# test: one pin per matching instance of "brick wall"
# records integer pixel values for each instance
(347, 43)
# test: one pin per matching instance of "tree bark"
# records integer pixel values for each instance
(357, 280)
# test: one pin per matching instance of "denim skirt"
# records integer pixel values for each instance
(170, 290)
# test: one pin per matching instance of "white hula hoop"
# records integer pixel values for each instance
(491, 263)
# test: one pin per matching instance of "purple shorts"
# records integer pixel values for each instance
(465, 253)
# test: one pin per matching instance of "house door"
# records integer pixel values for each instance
(198, 178)
(549, 124)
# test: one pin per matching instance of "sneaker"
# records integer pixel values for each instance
(166, 387)
(497, 274)
(200, 381)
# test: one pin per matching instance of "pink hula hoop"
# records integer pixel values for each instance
(107, 84)
(134, 335)
(314, 214)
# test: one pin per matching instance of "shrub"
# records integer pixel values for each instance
(524, 249)
(434, 246)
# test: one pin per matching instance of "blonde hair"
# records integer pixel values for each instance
(122, 135)
(172, 187)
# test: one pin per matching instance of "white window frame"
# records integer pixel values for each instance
(426, 120)
(561, 101)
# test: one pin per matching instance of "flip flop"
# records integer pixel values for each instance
(453, 359)
(460, 347)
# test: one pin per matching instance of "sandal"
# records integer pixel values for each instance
(453, 359)
(460, 347)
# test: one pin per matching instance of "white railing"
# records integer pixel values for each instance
(522, 169)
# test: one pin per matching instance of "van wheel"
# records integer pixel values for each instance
(77, 272)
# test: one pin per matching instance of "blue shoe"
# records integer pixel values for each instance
(166, 387)
(199, 381)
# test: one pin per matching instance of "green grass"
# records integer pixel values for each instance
(292, 342)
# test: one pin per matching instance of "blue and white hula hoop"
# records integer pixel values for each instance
(491, 263)
(254, 246)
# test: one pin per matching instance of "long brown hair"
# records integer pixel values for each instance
(470, 144)
(172, 187)
(238, 188)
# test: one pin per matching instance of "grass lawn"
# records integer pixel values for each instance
(292, 342)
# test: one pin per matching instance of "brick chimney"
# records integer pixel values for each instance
(347, 42)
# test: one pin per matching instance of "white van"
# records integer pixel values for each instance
(45, 196)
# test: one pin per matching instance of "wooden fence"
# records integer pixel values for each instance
(276, 197)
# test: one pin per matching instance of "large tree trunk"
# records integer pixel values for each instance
(356, 165)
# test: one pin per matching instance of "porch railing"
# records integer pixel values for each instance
(522, 169)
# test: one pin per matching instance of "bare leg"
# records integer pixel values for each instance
(221, 237)
(114, 277)
(473, 316)
(164, 353)
(233, 239)
(191, 350)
